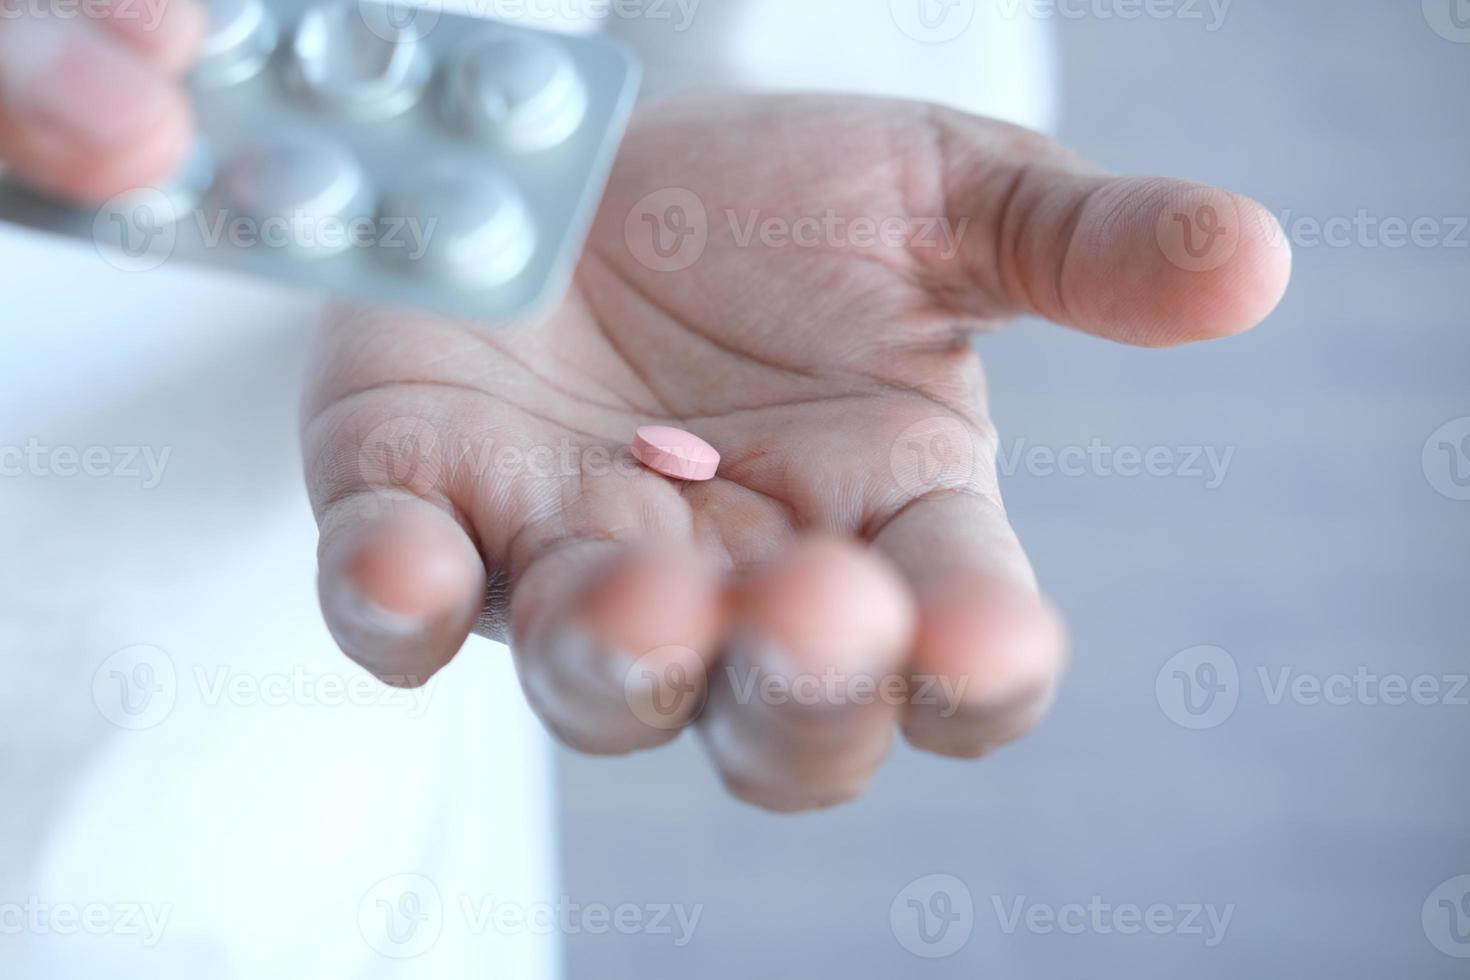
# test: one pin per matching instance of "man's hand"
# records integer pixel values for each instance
(851, 567)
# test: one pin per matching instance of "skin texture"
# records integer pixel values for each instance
(469, 479)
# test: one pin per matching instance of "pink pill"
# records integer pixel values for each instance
(675, 453)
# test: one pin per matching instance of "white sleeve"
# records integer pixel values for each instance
(962, 53)
(954, 52)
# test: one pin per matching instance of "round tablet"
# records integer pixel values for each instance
(524, 93)
(359, 59)
(306, 194)
(467, 228)
(238, 43)
(675, 453)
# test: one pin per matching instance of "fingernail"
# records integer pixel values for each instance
(758, 652)
(70, 83)
(763, 672)
(580, 658)
(353, 610)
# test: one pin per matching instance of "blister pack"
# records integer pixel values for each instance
(379, 152)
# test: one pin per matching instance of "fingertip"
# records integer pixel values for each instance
(83, 116)
(151, 160)
(805, 710)
(415, 566)
(1227, 263)
(1157, 263)
(1003, 638)
(831, 601)
(170, 34)
(1263, 270)
(614, 642)
(652, 596)
(401, 593)
(991, 653)
(788, 800)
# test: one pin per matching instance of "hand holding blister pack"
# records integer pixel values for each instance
(382, 153)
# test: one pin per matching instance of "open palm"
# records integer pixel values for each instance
(795, 279)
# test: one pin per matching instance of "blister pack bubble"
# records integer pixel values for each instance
(384, 153)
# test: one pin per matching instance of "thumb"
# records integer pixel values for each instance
(1141, 260)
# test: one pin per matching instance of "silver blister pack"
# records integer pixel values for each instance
(383, 153)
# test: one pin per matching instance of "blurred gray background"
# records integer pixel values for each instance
(1328, 549)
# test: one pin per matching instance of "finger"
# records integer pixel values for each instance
(613, 641)
(401, 584)
(1145, 261)
(990, 650)
(401, 578)
(167, 33)
(803, 708)
(83, 115)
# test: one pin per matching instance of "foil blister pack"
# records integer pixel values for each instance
(379, 152)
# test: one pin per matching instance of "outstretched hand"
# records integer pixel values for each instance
(796, 280)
